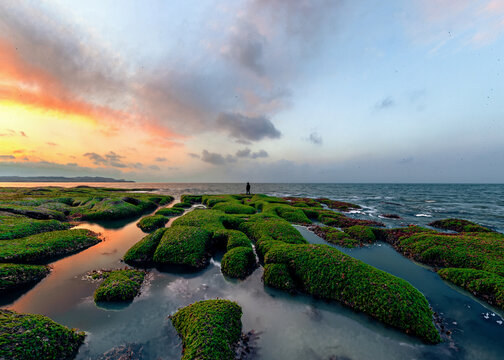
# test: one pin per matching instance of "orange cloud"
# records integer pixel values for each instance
(22, 83)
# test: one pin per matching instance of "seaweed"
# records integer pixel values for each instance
(209, 329)
(36, 337)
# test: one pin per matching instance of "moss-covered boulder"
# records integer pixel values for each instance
(152, 222)
(170, 212)
(185, 246)
(459, 225)
(14, 276)
(239, 262)
(483, 284)
(277, 276)
(325, 272)
(36, 337)
(192, 199)
(118, 285)
(142, 253)
(364, 234)
(234, 208)
(46, 246)
(182, 205)
(335, 236)
(338, 205)
(17, 226)
(209, 329)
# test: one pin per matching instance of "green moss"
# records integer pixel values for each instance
(170, 212)
(362, 233)
(193, 199)
(480, 251)
(209, 329)
(335, 236)
(182, 205)
(233, 238)
(46, 246)
(302, 202)
(212, 200)
(238, 262)
(331, 218)
(277, 276)
(119, 285)
(234, 208)
(142, 252)
(17, 226)
(185, 246)
(152, 222)
(82, 203)
(458, 225)
(211, 220)
(27, 337)
(13, 276)
(325, 272)
(482, 284)
(338, 205)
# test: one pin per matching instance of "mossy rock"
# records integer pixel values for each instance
(46, 246)
(185, 246)
(277, 276)
(209, 329)
(338, 205)
(142, 252)
(483, 284)
(182, 205)
(335, 236)
(170, 212)
(192, 199)
(232, 238)
(36, 337)
(327, 273)
(239, 262)
(234, 208)
(119, 285)
(459, 225)
(17, 226)
(152, 222)
(211, 220)
(14, 276)
(363, 234)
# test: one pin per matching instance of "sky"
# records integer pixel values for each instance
(253, 90)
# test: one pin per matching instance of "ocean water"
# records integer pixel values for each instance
(288, 327)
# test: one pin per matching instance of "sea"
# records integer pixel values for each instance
(283, 326)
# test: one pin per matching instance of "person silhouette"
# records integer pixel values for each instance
(248, 188)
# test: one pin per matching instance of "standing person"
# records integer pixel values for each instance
(248, 188)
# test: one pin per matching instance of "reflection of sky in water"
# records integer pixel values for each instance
(290, 327)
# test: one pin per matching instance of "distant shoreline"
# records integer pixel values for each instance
(77, 179)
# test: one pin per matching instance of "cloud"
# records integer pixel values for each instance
(213, 158)
(386, 103)
(50, 143)
(194, 156)
(247, 153)
(315, 138)
(247, 128)
(7, 157)
(243, 153)
(160, 159)
(109, 159)
(234, 88)
(10, 132)
(259, 154)
(154, 167)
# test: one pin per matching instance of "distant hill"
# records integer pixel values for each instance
(59, 179)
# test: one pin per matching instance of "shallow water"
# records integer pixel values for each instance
(290, 327)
